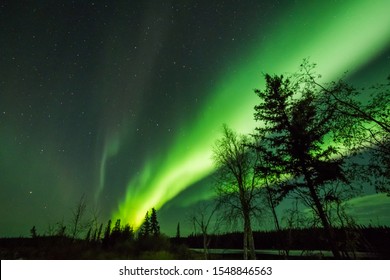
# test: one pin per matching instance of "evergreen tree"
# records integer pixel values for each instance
(107, 233)
(116, 232)
(94, 236)
(178, 231)
(117, 227)
(33, 232)
(145, 228)
(295, 122)
(88, 236)
(99, 234)
(154, 225)
(127, 233)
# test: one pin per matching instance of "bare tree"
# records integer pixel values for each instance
(201, 219)
(93, 224)
(363, 121)
(292, 219)
(237, 187)
(77, 223)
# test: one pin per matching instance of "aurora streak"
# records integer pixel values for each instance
(337, 40)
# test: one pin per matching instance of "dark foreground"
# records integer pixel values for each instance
(360, 243)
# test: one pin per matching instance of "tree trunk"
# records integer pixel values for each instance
(249, 245)
(322, 215)
(245, 241)
(276, 220)
(205, 246)
(248, 239)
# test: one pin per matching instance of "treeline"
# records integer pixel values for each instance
(105, 241)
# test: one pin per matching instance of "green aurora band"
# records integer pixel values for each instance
(336, 39)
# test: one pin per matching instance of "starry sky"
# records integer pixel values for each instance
(123, 100)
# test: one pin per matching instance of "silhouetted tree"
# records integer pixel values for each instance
(107, 234)
(94, 224)
(154, 225)
(88, 236)
(145, 230)
(99, 234)
(77, 219)
(115, 235)
(296, 119)
(294, 219)
(178, 231)
(201, 218)
(238, 185)
(270, 183)
(333, 198)
(94, 236)
(33, 232)
(60, 230)
(127, 232)
(363, 123)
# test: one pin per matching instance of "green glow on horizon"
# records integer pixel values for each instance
(337, 40)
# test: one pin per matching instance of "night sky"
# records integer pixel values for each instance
(123, 100)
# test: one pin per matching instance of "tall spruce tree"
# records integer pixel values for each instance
(144, 230)
(296, 126)
(178, 231)
(154, 225)
(99, 234)
(107, 234)
(116, 232)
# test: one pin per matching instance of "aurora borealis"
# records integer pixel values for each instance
(123, 101)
